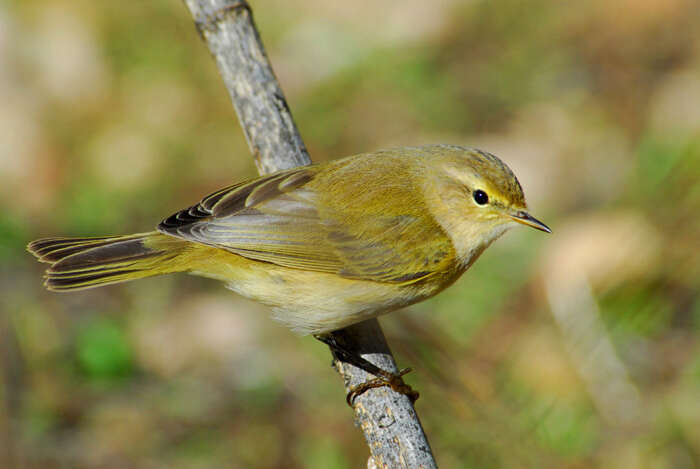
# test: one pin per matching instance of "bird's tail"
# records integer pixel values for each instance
(80, 263)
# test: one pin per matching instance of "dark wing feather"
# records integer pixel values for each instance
(276, 219)
(271, 219)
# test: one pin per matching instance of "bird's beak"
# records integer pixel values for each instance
(527, 219)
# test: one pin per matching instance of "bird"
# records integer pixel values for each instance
(325, 245)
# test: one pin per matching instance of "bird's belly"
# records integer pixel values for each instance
(314, 302)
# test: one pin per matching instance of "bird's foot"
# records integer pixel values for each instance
(393, 380)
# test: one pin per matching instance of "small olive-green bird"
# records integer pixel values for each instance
(327, 245)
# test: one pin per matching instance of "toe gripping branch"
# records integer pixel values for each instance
(383, 378)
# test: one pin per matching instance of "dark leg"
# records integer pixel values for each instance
(383, 377)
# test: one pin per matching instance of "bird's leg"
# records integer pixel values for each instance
(383, 377)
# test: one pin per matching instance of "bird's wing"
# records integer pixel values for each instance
(279, 219)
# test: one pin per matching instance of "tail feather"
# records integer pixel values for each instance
(80, 263)
(54, 249)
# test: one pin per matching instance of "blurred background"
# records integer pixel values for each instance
(575, 350)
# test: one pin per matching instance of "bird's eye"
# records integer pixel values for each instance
(480, 197)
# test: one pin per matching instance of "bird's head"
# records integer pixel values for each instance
(478, 196)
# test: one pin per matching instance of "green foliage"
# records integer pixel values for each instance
(91, 210)
(569, 430)
(323, 453)
(632, 311)
(659, 161)
(102, 351)
(13, 233)
(483, 291)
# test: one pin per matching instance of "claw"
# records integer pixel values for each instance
(393, 380)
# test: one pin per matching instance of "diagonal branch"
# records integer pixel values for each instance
(227, 27)
(388, 420)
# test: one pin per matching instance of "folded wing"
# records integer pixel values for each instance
(278, 219)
